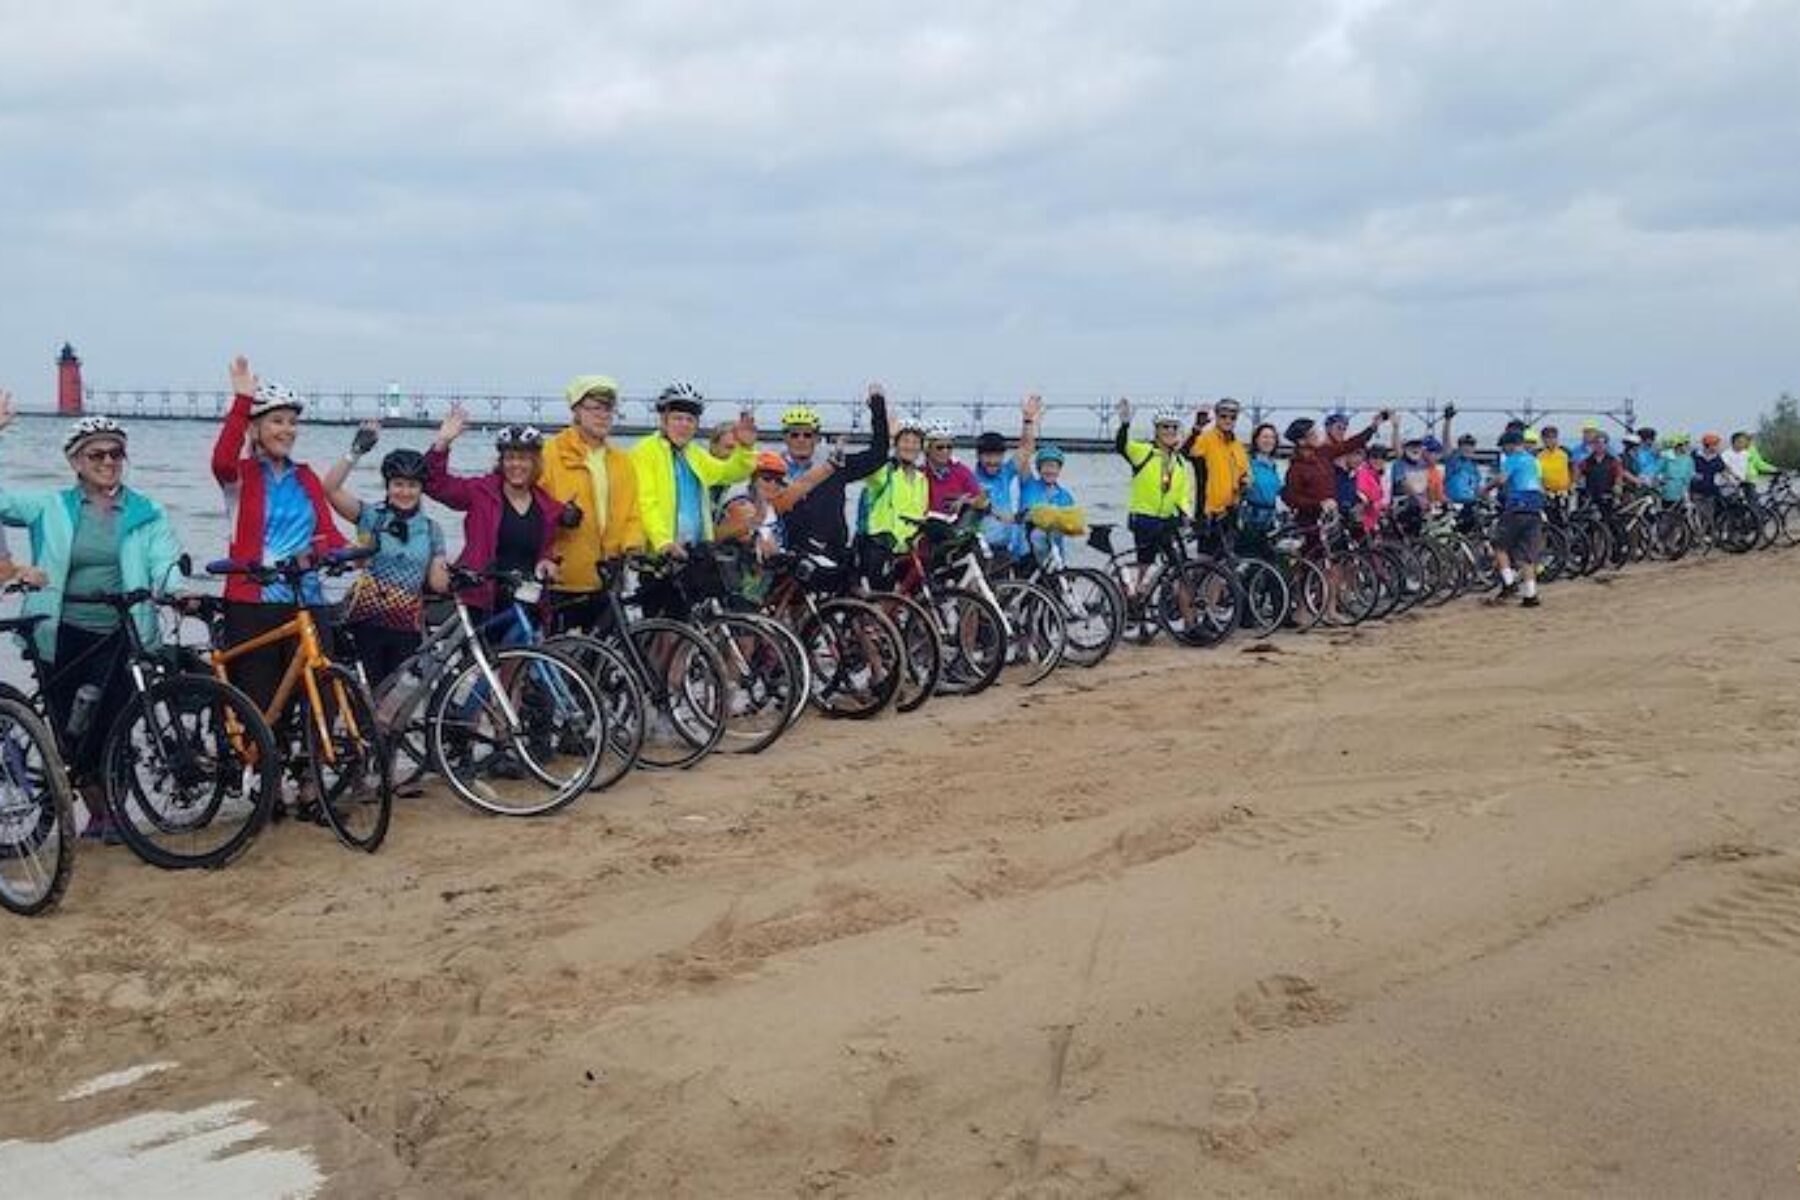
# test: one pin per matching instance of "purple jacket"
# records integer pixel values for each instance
(479, 498)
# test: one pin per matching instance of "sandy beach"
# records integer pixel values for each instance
(1474, 902)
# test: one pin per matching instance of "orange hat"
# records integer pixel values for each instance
(1710, 439)
(772, 462)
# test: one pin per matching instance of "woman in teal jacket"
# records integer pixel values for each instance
(97, 536)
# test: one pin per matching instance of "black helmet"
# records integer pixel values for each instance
(519, 437)
(991, 443)
(1298, 429)
(404, 464)
(681, 397)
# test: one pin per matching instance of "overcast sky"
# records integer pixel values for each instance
(1248, 196)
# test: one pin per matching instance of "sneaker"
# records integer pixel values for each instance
(101, 829)
(1530, 602)
(1508, 591)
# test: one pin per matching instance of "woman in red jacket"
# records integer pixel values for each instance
(278, 510)
(1311, 487)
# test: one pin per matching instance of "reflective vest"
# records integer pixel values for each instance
(1162, 481)
(892, 493)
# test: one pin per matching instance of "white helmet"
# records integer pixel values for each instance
(272, 396)
(1168, 414)
(910, 424)
(940, 431)
(88, 428)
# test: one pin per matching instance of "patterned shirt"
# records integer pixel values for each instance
(390, 591)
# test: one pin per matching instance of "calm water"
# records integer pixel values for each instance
(169, 462)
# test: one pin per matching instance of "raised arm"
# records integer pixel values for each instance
(801, 487)
(865, 463)
(342, 499)
(229, 448)
(441, 484)
(1032, 412)
(1124, 434)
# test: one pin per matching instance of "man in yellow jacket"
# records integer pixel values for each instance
(581, 467)
(673, 475)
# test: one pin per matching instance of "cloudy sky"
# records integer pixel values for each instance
(1268, 198)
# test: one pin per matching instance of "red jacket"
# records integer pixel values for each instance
(1312, 480)
(241, 476)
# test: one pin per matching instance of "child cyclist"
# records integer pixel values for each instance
(385, 612)
(1041, 487)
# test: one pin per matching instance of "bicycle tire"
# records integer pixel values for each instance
(924, 657)
(1038, 632)
(680, 730)
(1094, 611)
(972, 635)
(1267, 598)
(37, 813)
(620, 692)
(1211, 614)
(168, 750)
(847, 683)
(358, 802)
(763, 686)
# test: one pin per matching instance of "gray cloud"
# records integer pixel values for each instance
(1387, 195)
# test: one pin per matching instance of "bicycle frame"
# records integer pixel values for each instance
(299, 675)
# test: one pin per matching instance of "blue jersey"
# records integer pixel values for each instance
(1646, 462)
(1001, 486)
(1264, 492)
(1033, 492)
(1522, 482)
(1677, 473)
(1462, 478)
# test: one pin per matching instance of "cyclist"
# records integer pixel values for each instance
(1746, 462)
(1590, 433)
(1221, 461)
(759, 516)
(584, 469)
(819, 518)
(510, 522)
(952, 485)
(1262, 496)
(999, 474)
(1417, 486)
(385, 612)
(1311, 486)
(1554, 465)
(1162, 484)
(1643, 465)
(1601, 474)
(1337, 429)
(894, 498)
(278, 510)
(1041, 486)
(1519, 536)
(95, 536)
(1677, 473)
(673, 473)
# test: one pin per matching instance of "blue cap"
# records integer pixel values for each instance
(1050, 453)
(1433, 445)
(1337, 418)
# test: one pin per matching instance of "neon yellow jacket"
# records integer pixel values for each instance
(891, 493)
(654, 460)
(1162, 481)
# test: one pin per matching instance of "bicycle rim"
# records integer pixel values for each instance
(37, 814)
(354, 779)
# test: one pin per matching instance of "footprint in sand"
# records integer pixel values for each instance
(1286, 1002)
(1315, 914)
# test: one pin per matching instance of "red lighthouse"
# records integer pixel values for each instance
(68, 382)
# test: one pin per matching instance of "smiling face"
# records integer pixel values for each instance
(274, 433)
(100, 463)
(800, 441)
(403, 494)
(907, 446)
(679, 427)
(1168, 434)
(594, 416)
(1050, 471)
(520, 467)
(769, 483)
(938, 452)
(1267, 440)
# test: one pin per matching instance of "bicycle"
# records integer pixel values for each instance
(1093, 607)
(1194, 600)
(858, 657)
(517, 731)
(185, 769)
(37, 809)
(346, 761)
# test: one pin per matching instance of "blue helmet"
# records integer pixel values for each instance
(1048, 453)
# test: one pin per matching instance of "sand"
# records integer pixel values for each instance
(1475, 902)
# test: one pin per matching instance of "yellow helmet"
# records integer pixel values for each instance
(800, 417)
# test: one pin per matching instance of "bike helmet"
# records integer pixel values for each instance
(1711, 440)
(1299, 428)
(801, 417)
(940, 431)
(770, 463)
(1647, 435)
(681, 397)
(910, 425)
(583, 386)
(519, 437)
(403, 464)
(1168, 414)
(1533, 437)
(1680, 439)
(991, 443)
(271, 397)
(1227, 407)
(1048, 454)
(1433, 446)
(87, 429)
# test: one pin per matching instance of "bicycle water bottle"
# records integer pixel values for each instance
(81, 712)
(400, 694)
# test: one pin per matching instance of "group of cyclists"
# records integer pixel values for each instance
(529, 663)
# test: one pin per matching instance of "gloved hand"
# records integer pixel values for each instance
(367, 434)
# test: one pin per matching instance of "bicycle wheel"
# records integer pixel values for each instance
(191, 772)
(1266, 597)
(923, 656)
(763, 688)
(1038, 633)
(1355, 591)
(1311, 589)
(1093, 610)
(620, 694)
(972, 636)
(1198, 603)
(684, 694)
(858, 659)
(37, 814)
(521, 739)
(347, 760)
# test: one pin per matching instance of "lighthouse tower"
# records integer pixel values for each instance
(68, 382)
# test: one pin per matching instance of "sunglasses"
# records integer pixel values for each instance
(598, 404)
(114, 454)
(940, 446)
(808, 434)
(771, 477)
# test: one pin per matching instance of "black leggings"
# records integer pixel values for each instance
(259, 673)
(82, 658)
(381, 649)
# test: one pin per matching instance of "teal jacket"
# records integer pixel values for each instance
(148, 552)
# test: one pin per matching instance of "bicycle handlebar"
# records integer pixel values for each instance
(334, 563)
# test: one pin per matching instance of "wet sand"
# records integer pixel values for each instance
(1474, 902)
